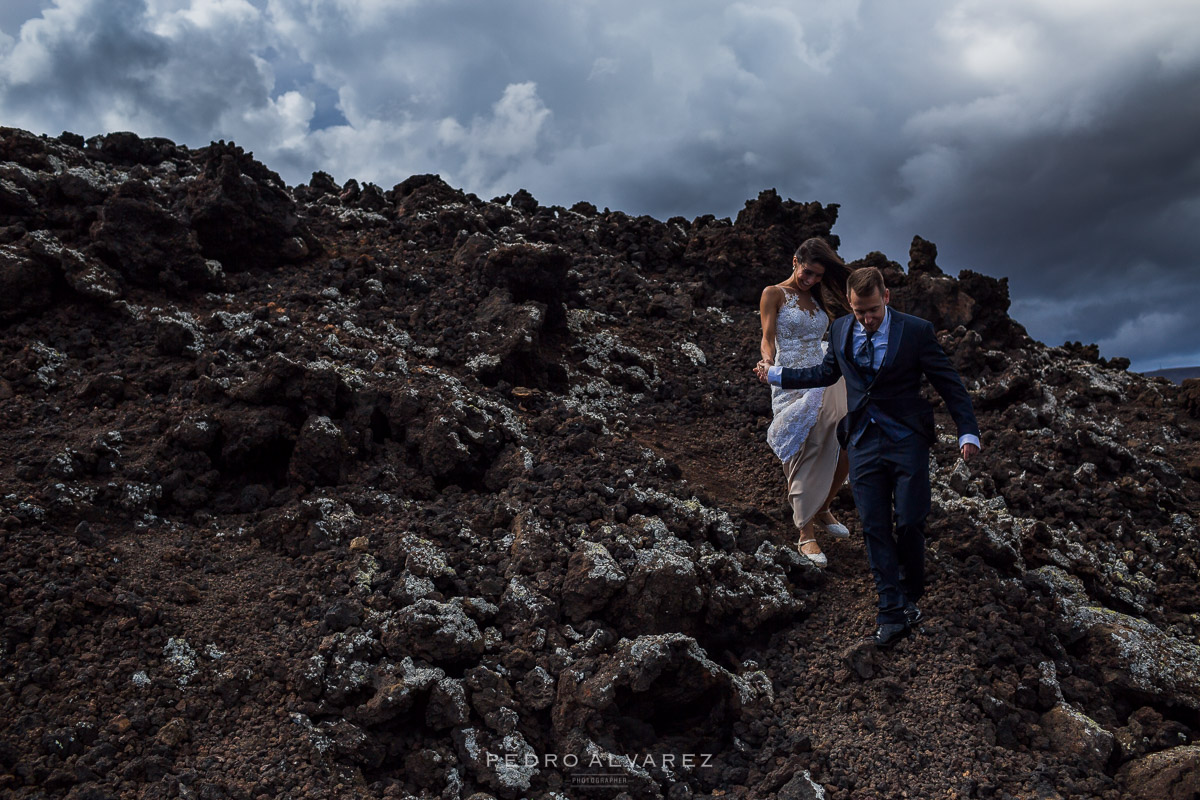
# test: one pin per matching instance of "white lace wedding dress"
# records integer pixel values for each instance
(803, 428)
(798, 344)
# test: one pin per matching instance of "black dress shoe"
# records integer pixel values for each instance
(888, 634)
(913, 615)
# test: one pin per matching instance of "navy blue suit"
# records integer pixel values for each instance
(888, 430)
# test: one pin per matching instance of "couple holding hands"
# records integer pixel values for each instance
(852, 407)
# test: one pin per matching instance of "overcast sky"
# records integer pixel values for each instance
(1053, 142)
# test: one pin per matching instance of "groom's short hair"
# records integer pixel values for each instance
(865, 281)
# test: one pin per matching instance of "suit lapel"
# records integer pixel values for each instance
(846, 343)
(850, 370)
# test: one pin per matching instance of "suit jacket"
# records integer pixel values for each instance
(895, 391)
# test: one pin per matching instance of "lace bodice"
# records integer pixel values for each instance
(798, 343)
(798, 335)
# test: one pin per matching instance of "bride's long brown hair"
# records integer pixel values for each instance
(831, 291)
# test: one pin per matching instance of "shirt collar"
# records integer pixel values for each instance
(882, 332)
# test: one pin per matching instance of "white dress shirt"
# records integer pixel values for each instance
(879, 340)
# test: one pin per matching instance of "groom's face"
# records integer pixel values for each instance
(869, 309)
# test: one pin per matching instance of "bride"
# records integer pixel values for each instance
(795, 315)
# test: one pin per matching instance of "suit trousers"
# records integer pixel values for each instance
(890, 480)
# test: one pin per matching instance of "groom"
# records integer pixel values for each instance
(888, 429)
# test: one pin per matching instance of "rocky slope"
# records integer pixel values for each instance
(331, 491)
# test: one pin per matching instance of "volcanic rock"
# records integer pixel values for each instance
(242, 213)
(438, 632)
(1074, 734)
(1166, 775)
(1189, 397)
(593, 577)
(147, 244)
(322, 455)
(26, 284)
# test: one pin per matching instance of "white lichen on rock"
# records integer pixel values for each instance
(424, 558)
(1140, 656)
(52, 361)
(320, 742)
(182, 657)
(691, 509)
(335, 518)
(137, 496)
(483, 361)
(694, 353)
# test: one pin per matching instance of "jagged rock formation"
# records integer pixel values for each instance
(337, 491)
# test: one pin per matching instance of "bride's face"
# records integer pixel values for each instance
(807, 275)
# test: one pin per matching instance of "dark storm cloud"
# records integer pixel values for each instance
(1098, 227)
(1050, 142)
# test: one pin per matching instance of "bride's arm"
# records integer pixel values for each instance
(768, 312)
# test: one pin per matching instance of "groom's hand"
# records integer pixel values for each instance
(968, 450)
